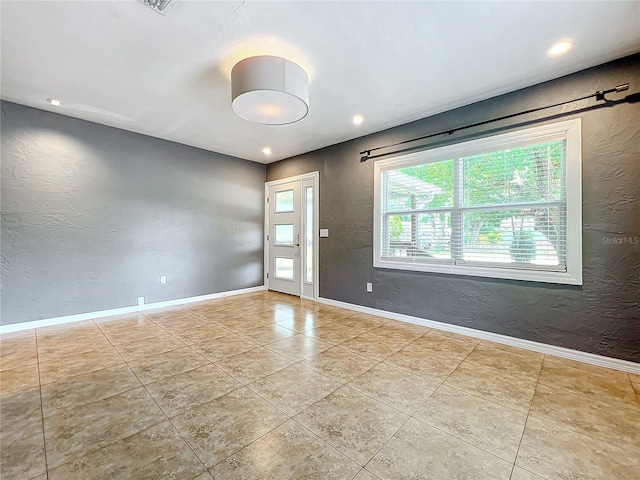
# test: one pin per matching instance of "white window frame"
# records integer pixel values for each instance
(571, 130)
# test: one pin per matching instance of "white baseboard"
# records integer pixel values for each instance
(47, 322)
(590, 358)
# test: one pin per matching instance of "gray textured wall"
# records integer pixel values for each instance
(602, 316)
(92, 216)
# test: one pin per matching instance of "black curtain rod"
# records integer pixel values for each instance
(599, 96)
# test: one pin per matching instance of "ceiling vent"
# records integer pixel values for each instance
(160, 6)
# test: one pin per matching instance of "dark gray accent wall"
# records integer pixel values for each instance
(92, 216)
(601, 317)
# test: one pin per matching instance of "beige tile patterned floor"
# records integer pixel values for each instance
(267, 386)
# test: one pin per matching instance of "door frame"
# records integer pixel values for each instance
(315, 177)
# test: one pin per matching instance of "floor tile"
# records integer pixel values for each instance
(18, 349)
(64, 368)
(156, 367)
(363, 321)
(61, 396)
(522, 474)
(556, 453)
(267, 333)
(399, 331)
(481, 423)
(201, 334)
(75, 433)
(149, 346)
(333, 333)
(22, 454)
(19, 378)
(340, 364)
(21, 408)
(184, 323)
(194, 387)
(223, 347)
(154, 453)
(254, 364)
(204, 476)
(289, 451)
(434, 342)
(635, 377)
(85, 329)
(374, 346)
(609, 422)
(355, 424)
(598, 386)
(424, 362)
(434, 332)
(395, 387)
(294, 388)
(550, 359)
(527, 364)
(227, 424)
(124, 334)
(298, 347)
(56, 349)
(507, 390)
(365, 475)
(419, 451)
(177, 311)
(299, 322)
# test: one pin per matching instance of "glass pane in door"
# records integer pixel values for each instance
(284, 268)
(284, 201)
(284, 234)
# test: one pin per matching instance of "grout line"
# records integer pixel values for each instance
(163, 413)
(524, 428)
(44, 438)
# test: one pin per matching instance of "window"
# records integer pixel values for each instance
(507, 206)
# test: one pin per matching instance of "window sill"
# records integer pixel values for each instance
(565, 278)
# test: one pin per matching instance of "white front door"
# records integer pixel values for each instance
(284, 237)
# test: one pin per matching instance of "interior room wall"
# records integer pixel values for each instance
(602, 316)
(92, 216)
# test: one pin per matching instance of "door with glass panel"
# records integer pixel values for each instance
(285, 238)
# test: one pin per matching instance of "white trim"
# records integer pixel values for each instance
(571, 130)
(47, 322)
(311, 176)
(584, 357)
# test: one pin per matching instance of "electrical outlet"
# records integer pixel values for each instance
(369, 287)
(140, 301)
(163, 279)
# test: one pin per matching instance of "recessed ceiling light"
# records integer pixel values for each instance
(54, 101)
(560, 47)
(358, 119)
(266, 151)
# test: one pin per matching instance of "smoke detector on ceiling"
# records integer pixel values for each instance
(160, 6)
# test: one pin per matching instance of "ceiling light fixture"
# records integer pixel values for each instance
(269, 90)
(358, 119)
(266, 151)
(560, 47)
(54, 101)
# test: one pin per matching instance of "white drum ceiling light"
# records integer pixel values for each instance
(269, 90)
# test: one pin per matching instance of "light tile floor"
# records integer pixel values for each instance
(266, 386)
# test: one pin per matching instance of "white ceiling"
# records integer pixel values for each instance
(121, 64)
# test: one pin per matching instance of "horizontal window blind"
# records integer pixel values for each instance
(505, 207)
